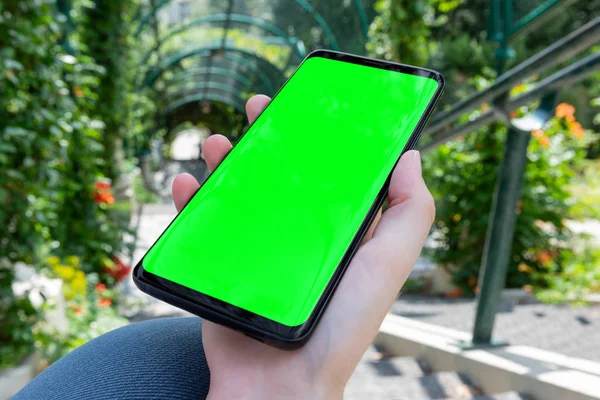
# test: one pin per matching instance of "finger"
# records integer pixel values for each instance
(401, 232)
(381, 266)
(371, 230)
(184, 187)
(255, 105)
(214, 149)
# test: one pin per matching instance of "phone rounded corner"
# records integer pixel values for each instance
(137, 271)
(439, 78)
(320, 53)
(292, 341)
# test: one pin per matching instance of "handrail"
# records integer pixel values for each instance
(569, 46)
(566, 76)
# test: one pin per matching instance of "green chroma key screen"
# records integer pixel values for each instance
(269, 227)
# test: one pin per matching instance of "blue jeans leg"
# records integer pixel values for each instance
(157, 359)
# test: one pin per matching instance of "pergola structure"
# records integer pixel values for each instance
(223, 51)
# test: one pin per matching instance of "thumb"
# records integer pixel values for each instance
(403, 229)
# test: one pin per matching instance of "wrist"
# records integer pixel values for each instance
(273, 390)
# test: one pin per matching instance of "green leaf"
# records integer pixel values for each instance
(16, 131)
(6, 147)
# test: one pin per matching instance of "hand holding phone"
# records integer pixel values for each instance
(262, 246)
(241, 366)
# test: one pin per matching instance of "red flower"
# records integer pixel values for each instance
(102, 194)
(101, 287)
(119, 270)
(102, 185)
(105, 302)
(78, 311)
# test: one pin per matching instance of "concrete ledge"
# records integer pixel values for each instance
(542, 374)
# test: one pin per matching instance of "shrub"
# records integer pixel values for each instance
(462, 177)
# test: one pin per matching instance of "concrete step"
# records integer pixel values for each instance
(440, 385)
(501, 396)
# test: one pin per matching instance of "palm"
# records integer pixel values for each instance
(355, 312)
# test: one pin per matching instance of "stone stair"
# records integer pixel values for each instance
(381, 377)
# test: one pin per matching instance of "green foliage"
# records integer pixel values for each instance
(54, 196)
(36, 124)
(104, 31)
(17, 316)
(587, 192)
(461, 175)
(402, 30)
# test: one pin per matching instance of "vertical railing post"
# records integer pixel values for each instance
(503, 216)
(499, 239)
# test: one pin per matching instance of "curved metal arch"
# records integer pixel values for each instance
(191, 73)
(155, 73)
(240, 18)
(197, 84)
(362, 14)
(203, 86)
(322, 23)
(205, 97)
(266, 83)
(291, 42)
(302, 3)
(266, 80)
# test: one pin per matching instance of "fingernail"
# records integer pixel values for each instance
(417, 160)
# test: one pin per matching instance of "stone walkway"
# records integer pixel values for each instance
(567, 330)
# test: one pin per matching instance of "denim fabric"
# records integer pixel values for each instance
(157, 359)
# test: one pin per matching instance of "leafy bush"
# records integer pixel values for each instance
(462, 174)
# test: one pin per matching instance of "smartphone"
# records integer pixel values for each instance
(263, 244)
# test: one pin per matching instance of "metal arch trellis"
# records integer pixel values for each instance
(225, 17)
(233, 17)
(204, 87)
(362, 14)
(202, 84)
(192, 73)
(144, 20)
(268, 83)
(204, 97)
(155, 73)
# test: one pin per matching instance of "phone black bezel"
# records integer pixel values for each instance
(256, 326)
